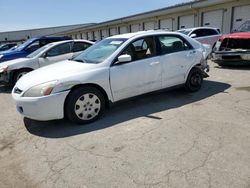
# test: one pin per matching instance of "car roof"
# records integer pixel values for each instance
(65, 41)
(142, 33)
(194, 28)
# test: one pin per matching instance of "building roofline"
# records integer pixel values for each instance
(157, 12)
(55, 27)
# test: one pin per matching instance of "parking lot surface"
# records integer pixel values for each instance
(165, 139)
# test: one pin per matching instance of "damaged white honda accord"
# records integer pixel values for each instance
(113, 69)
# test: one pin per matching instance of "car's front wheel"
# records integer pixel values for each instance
(194, 80)
(84, 105)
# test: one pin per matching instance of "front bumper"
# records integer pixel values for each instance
(4, 78)
(41, 108)
(231, 57)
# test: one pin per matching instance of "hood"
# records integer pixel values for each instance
(57, 71)
(13, 64)
(240, 35)
(10, 52)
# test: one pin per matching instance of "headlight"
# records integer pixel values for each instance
(41, 90)
(1, 56)
(3, 68)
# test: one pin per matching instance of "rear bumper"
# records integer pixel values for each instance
(231, 57)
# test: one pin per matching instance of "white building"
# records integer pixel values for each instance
(223, 14)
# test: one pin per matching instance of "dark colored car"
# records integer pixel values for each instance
(234, 48)
(7, 46)
(28, 47)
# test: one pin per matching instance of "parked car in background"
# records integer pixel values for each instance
(28, 47)
(11, 71)
(234, 48)
(205, 35)
(113, 69)
(7, 46)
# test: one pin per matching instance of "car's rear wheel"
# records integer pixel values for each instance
(84, 105)
(194, 80)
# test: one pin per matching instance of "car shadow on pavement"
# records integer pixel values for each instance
(5, 89)
(142, 106)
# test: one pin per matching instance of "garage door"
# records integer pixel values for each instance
(149, 26)
(135, 27)
(166, 24)
(186, 21)
(113, 31)
(97, 35)
(123, 29)
(104, 33)
(240, 15)
(213, 19)
(90, 36)
(84, 35)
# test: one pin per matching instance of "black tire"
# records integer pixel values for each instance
(88, 110)
(194, 80)
(18, 74)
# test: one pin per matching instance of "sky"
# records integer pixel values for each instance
(29, 14)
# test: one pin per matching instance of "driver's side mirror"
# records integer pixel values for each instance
(124, 58)
(44, 55)
(193, 35)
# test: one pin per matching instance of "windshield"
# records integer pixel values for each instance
(22, 46)
(184, 31)
(38, 51)
(245, 27)
(100, 51)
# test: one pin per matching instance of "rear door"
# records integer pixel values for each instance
(141, 75)
(176, 57)
(56, 54)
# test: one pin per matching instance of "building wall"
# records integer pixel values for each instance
(172, 18)
(226, 8)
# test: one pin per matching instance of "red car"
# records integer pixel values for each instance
(234, 48)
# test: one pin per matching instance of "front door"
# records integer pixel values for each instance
(56, 54)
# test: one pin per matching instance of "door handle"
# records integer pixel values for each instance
(154, 63)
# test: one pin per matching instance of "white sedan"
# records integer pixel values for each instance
(205, 35)
(11, 71)
(113, 69)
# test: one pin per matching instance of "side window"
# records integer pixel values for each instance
(59, 50)
(43, 42)
(208, 32)
(33, 46)
(204, 32)
(141, 48)
(6, 47)
(172, 44)
(198, 33)
(80, 46)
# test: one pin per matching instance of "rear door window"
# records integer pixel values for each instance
(80, 46)
(172, 44)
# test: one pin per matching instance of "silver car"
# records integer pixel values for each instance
(11, 71)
